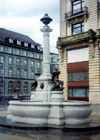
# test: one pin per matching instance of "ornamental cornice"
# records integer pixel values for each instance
(76, 38)
(77, 19)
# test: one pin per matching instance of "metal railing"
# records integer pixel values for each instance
(76, 12)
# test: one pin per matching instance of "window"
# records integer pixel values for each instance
(25, 87)
(1, 71)
(38, 56)
(10, 40)
(32, 73)
(78, 92)
(38, 64)
(38, 47)
(77, 55)
(1, 48)
(10, 87)
(25, 73)
(78, 76)
(18, 42)
(10, 60)
(78, 28)
(32, 63)
(18, 72)
(10, 72)
(32, 54)
(18, 61)
(77, 6)
(25, 44)
(25, 62)
(10, 50)
(32, 46)
(17, 52)
(54, 60)
(1, 87)
(1, 59)
(24, 53)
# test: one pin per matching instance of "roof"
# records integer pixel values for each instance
(4, 33)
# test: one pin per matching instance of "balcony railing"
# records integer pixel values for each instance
(76, 12)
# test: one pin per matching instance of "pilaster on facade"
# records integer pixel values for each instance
(94, 71)
(93, 14)
(63, 68)
(63, 8)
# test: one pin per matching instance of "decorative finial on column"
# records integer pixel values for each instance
(46, 19)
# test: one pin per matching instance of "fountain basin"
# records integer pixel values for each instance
(53, 113)
(77, 112)
(28, 112)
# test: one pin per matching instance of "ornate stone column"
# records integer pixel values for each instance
(46, 52)
(44, 81)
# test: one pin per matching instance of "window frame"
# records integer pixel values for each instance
(78, 3)
(25, 73)
(25, 87)
(18, 61)
(1, 71)
(25, 62)
(18, 73)
(10, 87)
(10, 60)
(78, 27)
(10, 72)
(71, 76)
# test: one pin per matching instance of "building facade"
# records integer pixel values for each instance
(54, 62)
(20, 63)
(79, 49)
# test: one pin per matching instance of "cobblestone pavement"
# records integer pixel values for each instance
(17, 134)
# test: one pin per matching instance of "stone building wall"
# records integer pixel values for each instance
(94, 71)
(92, 22)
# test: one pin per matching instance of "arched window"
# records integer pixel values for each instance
(10, 72)
(25, 87)
(10, 87)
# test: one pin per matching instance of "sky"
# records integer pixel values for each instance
(23, 16)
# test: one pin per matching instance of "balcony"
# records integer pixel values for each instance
(75, 38)
(77, 15)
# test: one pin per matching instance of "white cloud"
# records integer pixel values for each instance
(23, 16)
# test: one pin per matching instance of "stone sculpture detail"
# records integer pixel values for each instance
(58, 84)
(34, 85)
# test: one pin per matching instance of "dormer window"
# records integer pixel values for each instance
(38, 47)
(32, 46)
(18, 42)
(10, 40)
(25, 44)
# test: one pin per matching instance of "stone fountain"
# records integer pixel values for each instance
(47, 105)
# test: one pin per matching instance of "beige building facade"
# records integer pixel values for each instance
(79, 49)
